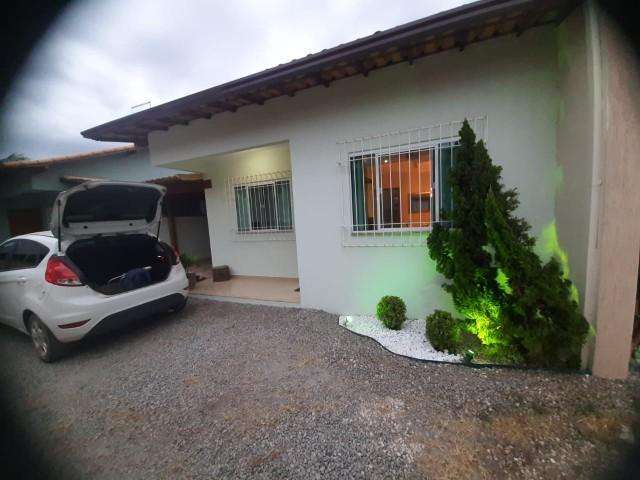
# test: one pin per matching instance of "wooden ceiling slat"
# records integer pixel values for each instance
(155, 125)
(193, 114)
(222, 106)
(253, 98)
(507, 27)
(320, 78)
(290, 88)
(461, 39)
(447, 42)
(527, 20)
(431, 47)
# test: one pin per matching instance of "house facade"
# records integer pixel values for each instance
(339, 186)
(28, 189)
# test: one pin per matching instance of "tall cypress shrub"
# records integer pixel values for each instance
(519, 308)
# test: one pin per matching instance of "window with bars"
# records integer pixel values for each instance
(263, 206)
(401, 188)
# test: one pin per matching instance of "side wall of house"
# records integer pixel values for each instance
(512, 80)
(575, 147)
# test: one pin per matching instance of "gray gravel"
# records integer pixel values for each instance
(236, 391)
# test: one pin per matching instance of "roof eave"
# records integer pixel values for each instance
(232, 95)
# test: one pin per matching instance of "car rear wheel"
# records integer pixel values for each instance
(47, 347)
(179, 307)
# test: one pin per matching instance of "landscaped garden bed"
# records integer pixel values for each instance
(512, 306)
(409, 341)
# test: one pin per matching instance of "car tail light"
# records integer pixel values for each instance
(58, 273)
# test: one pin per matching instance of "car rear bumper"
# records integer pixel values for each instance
(70, 305)
(118, 320)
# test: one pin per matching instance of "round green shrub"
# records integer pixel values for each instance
(391, 311)
(443, 331)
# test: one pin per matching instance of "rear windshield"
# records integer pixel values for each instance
(111, 203)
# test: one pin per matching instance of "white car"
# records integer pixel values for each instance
(100, 267)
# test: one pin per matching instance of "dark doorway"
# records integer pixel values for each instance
(23, 221)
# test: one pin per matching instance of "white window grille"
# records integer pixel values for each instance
(261, 206)
(395, 185)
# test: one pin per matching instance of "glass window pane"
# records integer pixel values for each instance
(6, 251)
(263, 207)
(242, 209)
(447, 159)
(419, 189)
(283, 204)
(396, 189)
(257, 208)
(363, 193)
(28, 254)
(405, 182)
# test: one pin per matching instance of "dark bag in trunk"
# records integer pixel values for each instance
(135, 278)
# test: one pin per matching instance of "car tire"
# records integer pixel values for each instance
(46, 345)
(178, 308)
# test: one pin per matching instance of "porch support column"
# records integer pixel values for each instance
(618, 221)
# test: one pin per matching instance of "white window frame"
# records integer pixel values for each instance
(254, 231)
(434, 200)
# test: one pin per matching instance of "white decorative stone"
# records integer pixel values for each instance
(410, 341)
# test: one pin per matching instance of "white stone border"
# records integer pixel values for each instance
(410, 341)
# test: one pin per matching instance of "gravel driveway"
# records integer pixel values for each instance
(223, 390)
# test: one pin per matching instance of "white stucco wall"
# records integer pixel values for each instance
(575, 145)
(193, 235)
(512, 80)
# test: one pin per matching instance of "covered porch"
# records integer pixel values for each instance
(247, 287)
(250, 215)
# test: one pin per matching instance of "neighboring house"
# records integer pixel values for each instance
(338, 186)
(28, 189)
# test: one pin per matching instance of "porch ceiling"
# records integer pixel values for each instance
(456, 28)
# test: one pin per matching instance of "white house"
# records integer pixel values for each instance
(337, 187)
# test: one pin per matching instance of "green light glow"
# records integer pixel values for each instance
(558, 177)
(550, 246)
(485, 314)
(396, 271)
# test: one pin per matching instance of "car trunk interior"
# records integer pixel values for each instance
(107, 261)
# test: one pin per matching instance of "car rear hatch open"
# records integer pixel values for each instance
(106, 208)
(107, 233)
